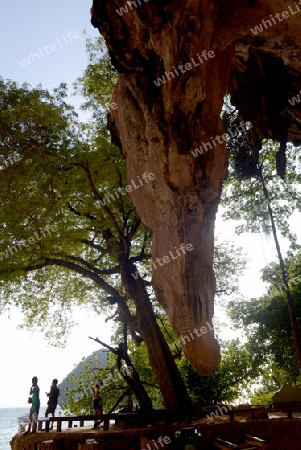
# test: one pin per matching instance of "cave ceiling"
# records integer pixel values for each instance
(266, 66)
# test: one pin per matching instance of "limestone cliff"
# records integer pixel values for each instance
(199, 50)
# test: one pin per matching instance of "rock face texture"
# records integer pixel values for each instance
(177, 59)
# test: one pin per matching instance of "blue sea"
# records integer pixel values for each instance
(9, 423)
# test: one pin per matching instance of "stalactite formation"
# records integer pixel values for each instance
(176, 60)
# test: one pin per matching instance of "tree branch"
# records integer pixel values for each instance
(81, 270)
(90, 266)
(113, 350)
(98, 197)
(134, 228)
(77, 213)
(95, 246)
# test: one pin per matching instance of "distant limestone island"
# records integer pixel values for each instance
(99, 361)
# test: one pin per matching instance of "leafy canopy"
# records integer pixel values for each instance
(267, 323)
(52, 225)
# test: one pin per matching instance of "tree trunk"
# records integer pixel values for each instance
(133, 380)
(161, 360)
(289, 300)
(158, 127)
(171, 385)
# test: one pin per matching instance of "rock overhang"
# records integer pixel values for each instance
(257, 60)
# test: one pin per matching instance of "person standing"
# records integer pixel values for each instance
(35, 405)
(97, 403)
(53, 398)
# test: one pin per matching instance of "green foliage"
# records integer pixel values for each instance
(265, 202)
(98, 81)
(79, 398)
(229, 265)
(139, 358)
(49, 186)
(244, 186)
(261, 397)
(238, 367)
(67, 222)
(49, 210)
(100, 77)
(267, 323)
(271, 381)
(243, 162)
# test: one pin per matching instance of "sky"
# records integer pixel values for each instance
(43, 42)
(53, 31)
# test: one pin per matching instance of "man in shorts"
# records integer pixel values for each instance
(97, 403)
